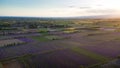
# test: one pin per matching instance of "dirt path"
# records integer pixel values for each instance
(12, 64)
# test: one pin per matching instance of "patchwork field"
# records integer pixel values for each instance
(77, 51)
(59, 45)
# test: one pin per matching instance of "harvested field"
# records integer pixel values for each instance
(10, 41)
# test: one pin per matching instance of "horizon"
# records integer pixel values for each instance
(73, 17)
(61, 8)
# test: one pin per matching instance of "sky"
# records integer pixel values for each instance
(59, 8)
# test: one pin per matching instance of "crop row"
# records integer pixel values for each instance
(10, 42)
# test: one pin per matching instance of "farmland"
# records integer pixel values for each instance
(57, 43)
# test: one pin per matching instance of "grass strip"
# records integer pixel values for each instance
(89, 54)
(75, 47)
(46, 38)
(40, 38)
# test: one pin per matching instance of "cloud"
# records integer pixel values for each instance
(72, 6)
(101, 11)
(84, 7)
(99, 5)
(78, 7)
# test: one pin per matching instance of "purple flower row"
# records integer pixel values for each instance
(26, 39)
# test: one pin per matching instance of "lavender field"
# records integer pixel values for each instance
(63, 47)
(76, 51)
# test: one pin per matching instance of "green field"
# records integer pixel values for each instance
(46, 38)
